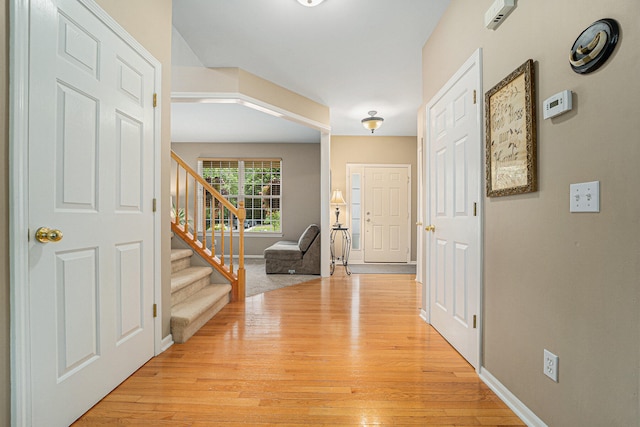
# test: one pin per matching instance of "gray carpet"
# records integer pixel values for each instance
(259, 282)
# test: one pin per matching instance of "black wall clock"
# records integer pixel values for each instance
(594, 45)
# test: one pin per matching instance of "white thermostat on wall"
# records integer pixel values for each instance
(557, 104)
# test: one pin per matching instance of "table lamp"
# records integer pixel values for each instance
(337, 200)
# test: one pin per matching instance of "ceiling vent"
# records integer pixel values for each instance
(498, 12)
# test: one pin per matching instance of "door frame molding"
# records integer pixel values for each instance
(474, 60)
(20, 338)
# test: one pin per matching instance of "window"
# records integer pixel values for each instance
(256, 181)
(356, 211)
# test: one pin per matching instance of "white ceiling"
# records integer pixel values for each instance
(201, 122)
(351, 55)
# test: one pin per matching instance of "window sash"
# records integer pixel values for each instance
(257, 182)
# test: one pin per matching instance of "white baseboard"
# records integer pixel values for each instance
(519, 408)
(423, 315)
(166, 343)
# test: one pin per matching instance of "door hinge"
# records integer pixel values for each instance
(475, 321)
(154, 204)
(475, 209)
(155, 310)
(475, 95)
(155, 100)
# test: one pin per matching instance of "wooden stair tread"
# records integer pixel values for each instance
(183, 278)
(189, 309)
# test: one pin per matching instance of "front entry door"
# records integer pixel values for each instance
(91, 176)
(386, 217)
(454, 153)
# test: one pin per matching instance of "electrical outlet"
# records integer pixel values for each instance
(550, 367)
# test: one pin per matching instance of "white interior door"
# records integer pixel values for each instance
(91, 176)
(386, 214)
(454, 152)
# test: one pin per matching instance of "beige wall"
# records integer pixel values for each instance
(300, 182)
(566, 282)
(5, 373)
(149, 22)
(375, 150)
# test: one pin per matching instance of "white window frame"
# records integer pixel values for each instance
(241, 188)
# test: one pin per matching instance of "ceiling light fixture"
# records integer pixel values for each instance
(372, 123)
(310, 3)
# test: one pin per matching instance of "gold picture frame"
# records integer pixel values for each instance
(510, 122)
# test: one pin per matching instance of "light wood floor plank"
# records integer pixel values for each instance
(342, 351)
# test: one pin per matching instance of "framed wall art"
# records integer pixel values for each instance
(510, 117)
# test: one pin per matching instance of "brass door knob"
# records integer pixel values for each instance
(430, 228)
(46, 235)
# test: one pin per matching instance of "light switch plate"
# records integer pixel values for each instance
(584, 197)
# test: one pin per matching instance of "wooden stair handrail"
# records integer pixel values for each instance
(227, 204)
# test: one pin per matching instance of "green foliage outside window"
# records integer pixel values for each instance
(257, 182)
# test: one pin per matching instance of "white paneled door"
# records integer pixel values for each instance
(91, 176)
(453, 239)
(386, 214)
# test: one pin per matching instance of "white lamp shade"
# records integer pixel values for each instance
(337, 199)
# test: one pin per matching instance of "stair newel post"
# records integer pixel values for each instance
(176, 207)
(239, 294)
(232, 215)
(204, 217)
(222, 208)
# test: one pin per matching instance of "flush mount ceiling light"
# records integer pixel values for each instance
(372, 123)
(310, 3)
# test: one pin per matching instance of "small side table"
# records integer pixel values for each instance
(346, 247)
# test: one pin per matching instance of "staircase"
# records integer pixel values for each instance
(194, 299)
(206, 222)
